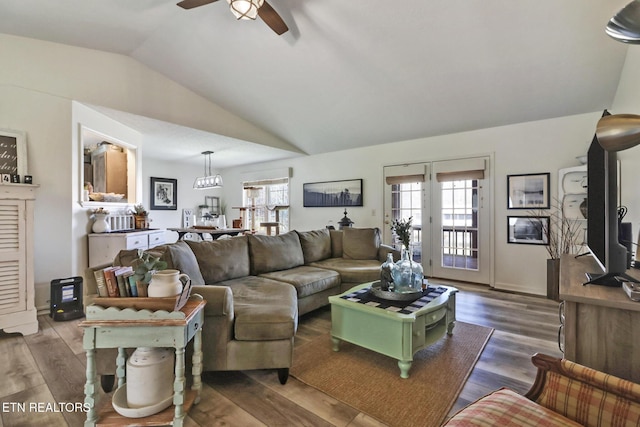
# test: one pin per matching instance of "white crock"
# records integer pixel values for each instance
(149, 377)
(166, 283)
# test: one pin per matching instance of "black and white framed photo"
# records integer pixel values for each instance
(528, 191)
(528, 230)
(13, 152)
(164, 194)
(332, 193)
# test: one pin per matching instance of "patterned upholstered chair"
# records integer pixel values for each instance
(563, 394)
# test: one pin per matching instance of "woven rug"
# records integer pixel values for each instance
(371, 383)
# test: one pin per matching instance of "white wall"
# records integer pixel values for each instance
(188, 198)
(542, 146)
(627, 101)
(39, 80)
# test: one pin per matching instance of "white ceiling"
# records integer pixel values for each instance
(356, 73)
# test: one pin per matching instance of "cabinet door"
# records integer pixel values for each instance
(13, 291)
(156, 238)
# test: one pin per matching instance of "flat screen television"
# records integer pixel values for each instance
(602, 217)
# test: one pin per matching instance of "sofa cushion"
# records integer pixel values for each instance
(264, 309)
(307, 280)
(222, 259)
(183, 259)
(507, 408)
(352, 270)
(273, 253)
(316, 245)
(127, 257)
(360, 243)
(336, 243)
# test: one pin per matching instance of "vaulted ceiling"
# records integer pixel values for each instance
(356, 73)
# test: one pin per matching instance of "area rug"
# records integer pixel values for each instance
(371, 383)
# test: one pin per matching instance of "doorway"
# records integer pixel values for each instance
(450, 206)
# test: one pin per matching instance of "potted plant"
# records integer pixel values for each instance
(564, 236)
(408, 275)
(140, 216)
(144, 268)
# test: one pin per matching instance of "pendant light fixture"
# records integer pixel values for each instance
(245, 9)
(208, 180)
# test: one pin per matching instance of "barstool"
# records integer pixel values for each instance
(269, 225)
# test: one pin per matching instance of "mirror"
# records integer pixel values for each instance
(109, 170)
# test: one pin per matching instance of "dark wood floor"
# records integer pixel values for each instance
(49, 367)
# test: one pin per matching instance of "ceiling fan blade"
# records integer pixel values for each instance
(190, 4)
(272, 19)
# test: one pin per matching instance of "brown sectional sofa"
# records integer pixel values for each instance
(256, 286)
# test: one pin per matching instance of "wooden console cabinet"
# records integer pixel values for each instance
(601, 324)
(17, 295)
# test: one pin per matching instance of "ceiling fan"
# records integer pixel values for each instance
(247, 9)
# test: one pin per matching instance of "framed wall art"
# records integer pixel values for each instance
(213, 203)
(529, 230)
(164, 194)
(528, 191)
(13, 153)
(332, 193)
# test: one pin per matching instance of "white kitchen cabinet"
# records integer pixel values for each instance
(103, 247)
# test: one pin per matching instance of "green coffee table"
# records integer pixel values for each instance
(391, 331)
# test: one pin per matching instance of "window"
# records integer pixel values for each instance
(266, 201)
(460, 224)
(406, 202)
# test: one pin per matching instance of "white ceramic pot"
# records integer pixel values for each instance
(150, 377)
(166, 283)
(100, 224)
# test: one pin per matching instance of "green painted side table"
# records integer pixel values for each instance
(127, 328)
(391, 333)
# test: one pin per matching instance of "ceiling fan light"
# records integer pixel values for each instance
(245, 9)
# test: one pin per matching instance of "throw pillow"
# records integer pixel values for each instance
(316, 245)
(275, 253)
(185, 260)
(336, 243)
(360, 243)
(222, 259)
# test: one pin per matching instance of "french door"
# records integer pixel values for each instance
(449, 202)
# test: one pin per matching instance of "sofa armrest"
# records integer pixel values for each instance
(569, 389)
(383, 250)
(219, 299)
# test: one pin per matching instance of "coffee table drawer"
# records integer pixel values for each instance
(428, 326)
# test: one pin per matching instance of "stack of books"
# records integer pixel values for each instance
(118, 281)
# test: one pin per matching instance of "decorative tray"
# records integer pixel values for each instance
(393, 296)
(138, 303)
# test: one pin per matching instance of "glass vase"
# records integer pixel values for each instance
(386, 273)
(408, 274)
